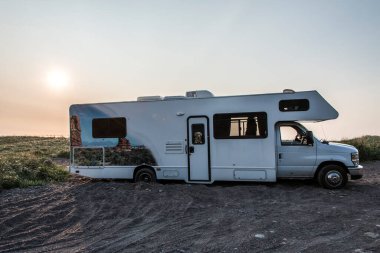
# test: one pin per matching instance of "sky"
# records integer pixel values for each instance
(57, 53)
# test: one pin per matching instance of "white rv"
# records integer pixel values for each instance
(201, 138)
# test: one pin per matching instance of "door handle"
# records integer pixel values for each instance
(191, 149)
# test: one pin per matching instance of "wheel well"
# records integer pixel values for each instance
(143, 167)
(323, 164)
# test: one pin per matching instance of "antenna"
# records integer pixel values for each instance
(323, 130)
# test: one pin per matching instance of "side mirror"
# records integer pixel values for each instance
(310, 137)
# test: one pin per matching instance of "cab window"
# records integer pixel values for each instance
(292, 135)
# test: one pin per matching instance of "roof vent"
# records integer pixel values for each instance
(199, 94)
(149, 98)
(288, 91)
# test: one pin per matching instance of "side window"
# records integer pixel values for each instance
(294, 105)
(109, 128)
(198, 134)
(291, 136)
(251, 125)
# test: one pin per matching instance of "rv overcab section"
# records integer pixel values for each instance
(202, 138)
(304, 106)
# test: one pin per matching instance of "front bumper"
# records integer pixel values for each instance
(356, 172)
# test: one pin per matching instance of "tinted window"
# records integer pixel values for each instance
(294, 105)
(109, 128)
(240, 125)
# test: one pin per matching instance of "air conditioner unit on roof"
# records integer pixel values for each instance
(199, 94)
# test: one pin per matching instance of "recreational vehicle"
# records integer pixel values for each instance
(202, 138)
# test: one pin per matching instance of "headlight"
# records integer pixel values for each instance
(355, 158)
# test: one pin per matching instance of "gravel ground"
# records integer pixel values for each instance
(85, 215)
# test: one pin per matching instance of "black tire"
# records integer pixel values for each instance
(332, 177)
(146, 175)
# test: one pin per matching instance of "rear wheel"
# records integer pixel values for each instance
(146, 175)
(332, 177)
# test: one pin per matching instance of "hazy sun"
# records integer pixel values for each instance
(57, 79)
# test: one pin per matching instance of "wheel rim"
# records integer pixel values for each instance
(145, 177)
(334, 178)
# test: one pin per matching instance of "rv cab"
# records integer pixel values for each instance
(301, 155)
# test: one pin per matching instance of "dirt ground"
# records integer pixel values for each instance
(85, 215)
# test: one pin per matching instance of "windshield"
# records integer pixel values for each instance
(317, 128)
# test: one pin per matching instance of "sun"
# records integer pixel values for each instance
(57, 79)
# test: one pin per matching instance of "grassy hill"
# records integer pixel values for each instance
(368, 146)
(26, 160)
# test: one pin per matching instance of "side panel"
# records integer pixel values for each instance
(244, 159)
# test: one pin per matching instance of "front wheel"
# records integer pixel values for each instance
(332, 177)
(145, 175)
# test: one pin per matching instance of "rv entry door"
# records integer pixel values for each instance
(198, 148)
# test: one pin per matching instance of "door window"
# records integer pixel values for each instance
(292, 135)
(198, 134)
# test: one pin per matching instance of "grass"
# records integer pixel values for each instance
(27, 161)
(368, 146)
